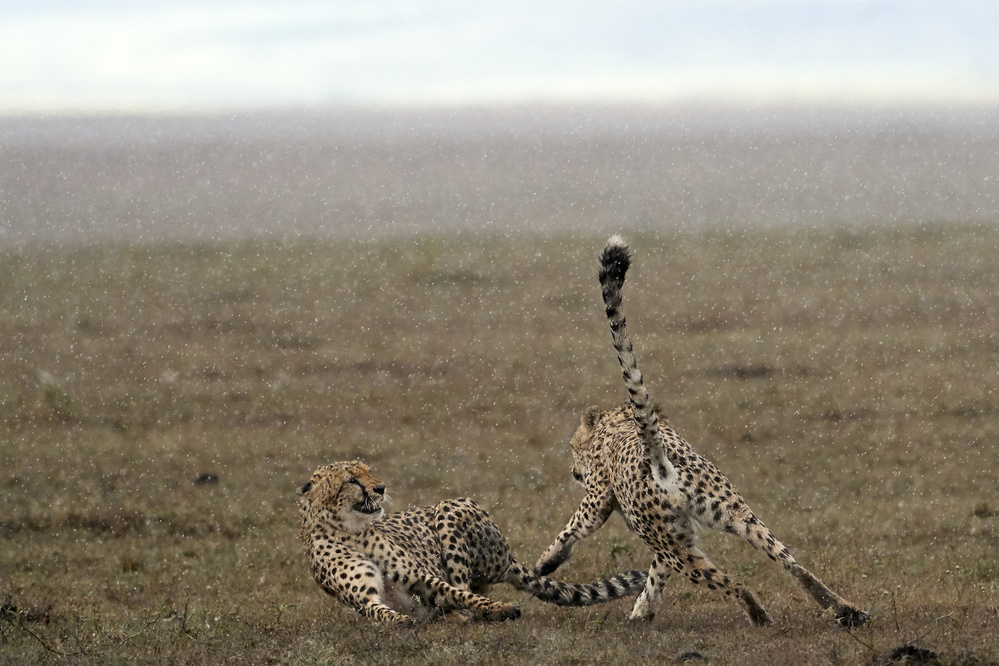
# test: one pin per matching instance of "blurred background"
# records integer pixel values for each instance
(150, 121)
(180, 120)
(121, 57)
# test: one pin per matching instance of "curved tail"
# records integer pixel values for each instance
(614, 263)
(567, 594)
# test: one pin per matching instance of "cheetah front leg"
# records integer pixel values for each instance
(361, 590)
(592, 513)
(648, 601)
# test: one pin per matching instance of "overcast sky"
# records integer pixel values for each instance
(124, 56)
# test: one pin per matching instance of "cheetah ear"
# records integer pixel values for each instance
(591, 417)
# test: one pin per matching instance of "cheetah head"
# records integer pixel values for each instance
(344, 496)
(582, 445)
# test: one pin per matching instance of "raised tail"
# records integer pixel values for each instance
(568, 594)
(614, 263)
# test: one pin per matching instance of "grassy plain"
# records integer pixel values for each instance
(845, 380)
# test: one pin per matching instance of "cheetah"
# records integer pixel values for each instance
(413, 566)
(629, 459)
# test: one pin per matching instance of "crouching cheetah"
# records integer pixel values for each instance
(413, 565)
(629, 460)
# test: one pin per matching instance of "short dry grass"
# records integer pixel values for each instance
(159, 405)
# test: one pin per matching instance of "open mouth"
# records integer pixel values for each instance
(367, 507)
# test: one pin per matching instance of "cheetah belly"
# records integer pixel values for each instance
(398, 597)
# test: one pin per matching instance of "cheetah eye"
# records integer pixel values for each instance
(355, 482)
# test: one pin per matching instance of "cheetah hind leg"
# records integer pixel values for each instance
(447, 597)
(761, 538)
(696, 567)
(374, 609)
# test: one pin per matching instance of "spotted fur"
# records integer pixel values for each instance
(413, 565)
(629, 459)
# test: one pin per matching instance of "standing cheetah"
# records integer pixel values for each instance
(413, 565)
(630, 460)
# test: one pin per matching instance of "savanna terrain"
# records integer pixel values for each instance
(162, 400)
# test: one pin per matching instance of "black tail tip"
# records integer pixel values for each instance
(615, 259)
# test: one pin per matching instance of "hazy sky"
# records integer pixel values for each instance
(117, 55)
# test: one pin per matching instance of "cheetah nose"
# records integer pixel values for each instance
(380, 489)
